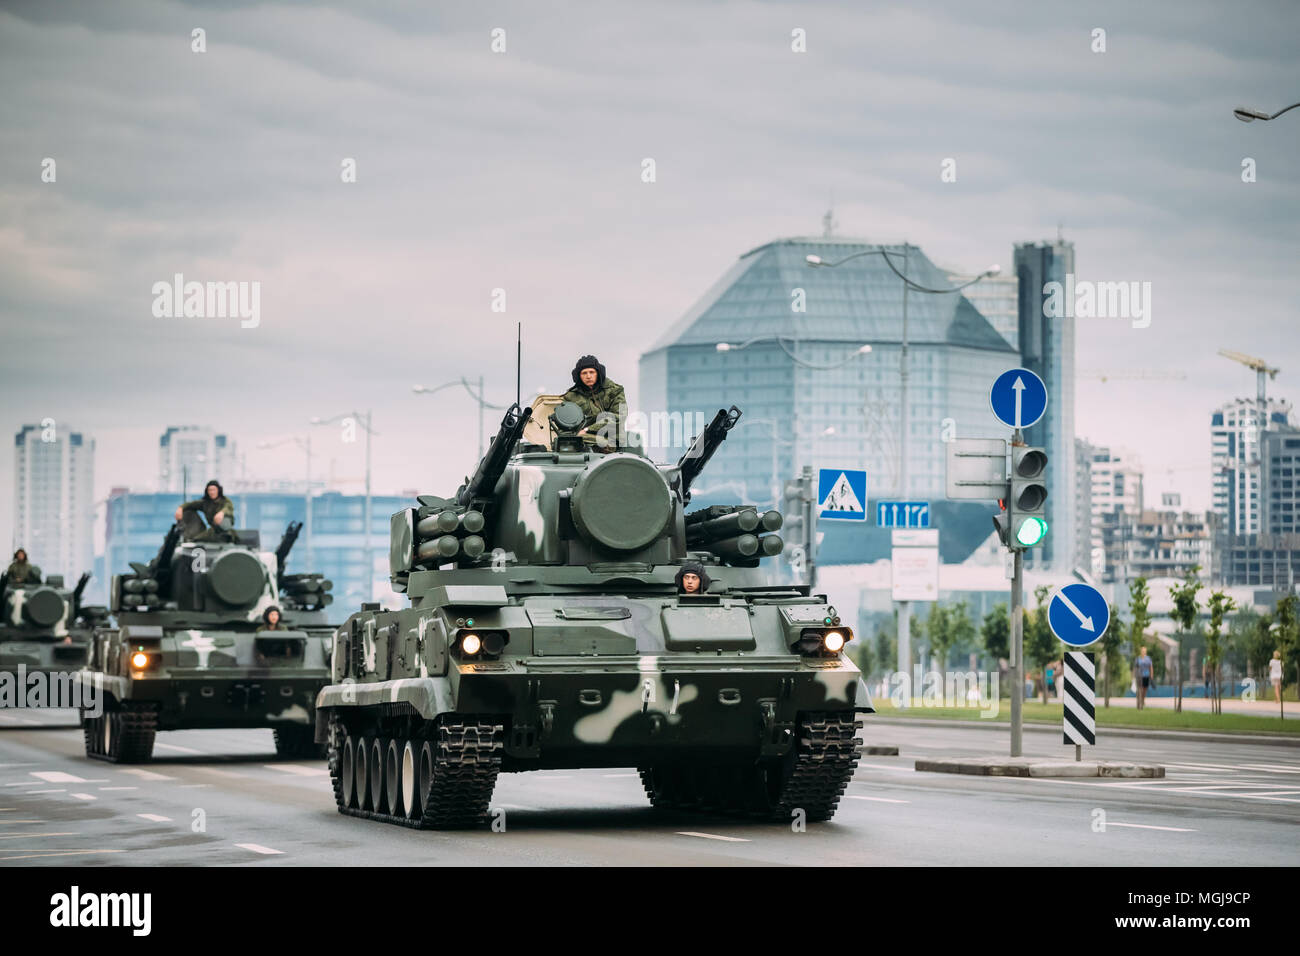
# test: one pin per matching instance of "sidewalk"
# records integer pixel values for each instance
(1231, 705)
(1200, 736)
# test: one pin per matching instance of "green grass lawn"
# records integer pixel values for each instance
(1153, 718)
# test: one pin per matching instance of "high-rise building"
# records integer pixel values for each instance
(1157, 544)
(190, 455)
(998, 300)
(1114, 487)
(54, 500)
(1087, 555)
(795, 363)
(1046, 344)
(1270, 556)
(1235, 461)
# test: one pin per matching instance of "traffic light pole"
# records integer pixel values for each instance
(1017, 654)
(1017, 635)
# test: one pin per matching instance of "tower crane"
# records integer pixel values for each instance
(1260, 367)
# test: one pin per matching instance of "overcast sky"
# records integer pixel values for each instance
(522, 170)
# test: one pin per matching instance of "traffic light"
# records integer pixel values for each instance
(794, 525)
(1026, 517)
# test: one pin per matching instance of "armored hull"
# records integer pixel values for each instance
(563, 638)
(44, 628)
(186, 652)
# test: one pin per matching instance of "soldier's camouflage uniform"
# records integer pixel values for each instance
(606, 397)
(209, 507)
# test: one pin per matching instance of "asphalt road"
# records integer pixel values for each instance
(1220, 805)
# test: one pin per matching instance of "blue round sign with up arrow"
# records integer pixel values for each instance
(1078, 614)
(1018, 398)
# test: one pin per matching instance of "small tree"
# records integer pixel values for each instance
(1288, 632)
(1186, 609)
(1139, 597)
(1220, 604)
(938, 629)
(995, 632)
(961, 629)
(1040, 643)
(1112, 639)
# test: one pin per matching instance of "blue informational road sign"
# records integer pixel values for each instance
(841, 494)
(1078, 614)
(902, 514)
(1018, 398)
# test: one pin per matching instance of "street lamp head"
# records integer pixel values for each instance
(316, 420)
(814, 260)
(864, 350)
(724, 346)
(993, 270)
(1247, 115)
(417, 389)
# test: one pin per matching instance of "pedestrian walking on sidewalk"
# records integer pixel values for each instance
(1275, 674)
(1142, 677)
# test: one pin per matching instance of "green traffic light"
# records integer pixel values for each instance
(1031, 531)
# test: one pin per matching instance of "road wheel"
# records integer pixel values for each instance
(347, 770)
(377, 749)
(363, 773)
(392, 778)
(410, 779)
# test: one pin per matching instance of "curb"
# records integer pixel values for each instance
(1038, 767)
(1198, 736)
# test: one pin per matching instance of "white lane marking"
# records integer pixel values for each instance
(1192, 791)
(119, 788)
(1198, 766)
(224, 773)
(46, 791)
(57, 776)
(511, 806)
(83, 796)
(613, 776)
(193, 786)
(711, 836)
(885, 766)
(854, 796)
(1147, 826)
(178, 749)
(1270, 768)
(32, 856)
(266, 851)
(1272, 793)
(28, 836)
(295, 769)
(20, 821)
(154, 818)
(148, 774)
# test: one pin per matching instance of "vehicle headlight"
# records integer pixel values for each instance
(470, 645)
(834, 641)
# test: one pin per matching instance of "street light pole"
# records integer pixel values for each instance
(904, 607)
(904, 373)
(367, 510)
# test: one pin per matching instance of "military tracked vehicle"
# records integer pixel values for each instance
(45, 627)
(187, 652)
(547, 630)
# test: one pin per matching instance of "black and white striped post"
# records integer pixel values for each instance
(1080, 720)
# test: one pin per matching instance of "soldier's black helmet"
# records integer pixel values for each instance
(589, 361)
(692, 567)
(22, 552)
(220, 491)
(266, 615)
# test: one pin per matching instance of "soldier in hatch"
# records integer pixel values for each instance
(21, 571)
(271, 620)
(601, 399)
(216, 508)
(691, 579)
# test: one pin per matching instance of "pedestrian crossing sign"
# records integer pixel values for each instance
(842, 494)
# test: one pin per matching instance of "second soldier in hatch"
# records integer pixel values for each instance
(216, 508)
(20, 570)
(601, 400)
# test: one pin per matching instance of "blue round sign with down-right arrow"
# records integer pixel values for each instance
(1078, 614)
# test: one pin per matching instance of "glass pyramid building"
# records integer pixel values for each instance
(812, 395)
